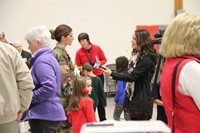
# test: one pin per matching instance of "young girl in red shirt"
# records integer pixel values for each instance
(80, 106)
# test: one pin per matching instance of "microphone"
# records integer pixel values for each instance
(102, 67)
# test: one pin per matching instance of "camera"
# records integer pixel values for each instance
(159, 34)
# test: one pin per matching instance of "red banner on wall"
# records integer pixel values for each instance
(152, 29)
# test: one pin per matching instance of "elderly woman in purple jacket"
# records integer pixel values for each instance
(46, 111)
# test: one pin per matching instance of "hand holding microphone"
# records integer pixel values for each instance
(106, 70)
(97, 65)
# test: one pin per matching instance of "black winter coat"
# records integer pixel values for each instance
(141, 75)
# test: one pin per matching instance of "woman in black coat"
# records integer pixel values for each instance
(141, 69)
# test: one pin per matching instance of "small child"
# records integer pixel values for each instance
(80, 108)
(121, 67)
(98, 93)
(158, 101)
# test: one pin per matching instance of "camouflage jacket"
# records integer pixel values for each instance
(67, 70)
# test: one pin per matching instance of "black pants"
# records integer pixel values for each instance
(101, 113)
(100, 107)
(42, 126)
(138, 117)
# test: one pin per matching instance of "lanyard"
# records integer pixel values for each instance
(86, 52)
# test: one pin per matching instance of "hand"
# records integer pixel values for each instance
(106, 71)
(114, 103)
(92, 63)
(19, 115)
(96, 64)
(64, 68)
(76, 71)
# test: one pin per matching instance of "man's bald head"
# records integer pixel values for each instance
(18, 45)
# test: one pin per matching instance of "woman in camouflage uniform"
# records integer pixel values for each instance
(64, 36)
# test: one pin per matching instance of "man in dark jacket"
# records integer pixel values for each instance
(25, 54)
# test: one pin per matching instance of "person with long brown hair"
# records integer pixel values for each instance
(80, 108)
(141, 69)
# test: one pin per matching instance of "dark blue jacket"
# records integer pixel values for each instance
(120, 94)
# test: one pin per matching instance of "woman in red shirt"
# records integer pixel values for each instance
(95, 56)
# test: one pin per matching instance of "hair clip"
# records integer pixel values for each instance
(84, 90)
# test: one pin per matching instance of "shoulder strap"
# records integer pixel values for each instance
(173, 92)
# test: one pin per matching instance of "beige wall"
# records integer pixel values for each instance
(110, 23)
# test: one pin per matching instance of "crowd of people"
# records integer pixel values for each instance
(44, 89)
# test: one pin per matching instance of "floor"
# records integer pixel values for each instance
(110, 110)
(109, 114)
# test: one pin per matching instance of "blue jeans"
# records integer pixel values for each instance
(118, 111)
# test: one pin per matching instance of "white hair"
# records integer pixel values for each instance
(39, 33)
